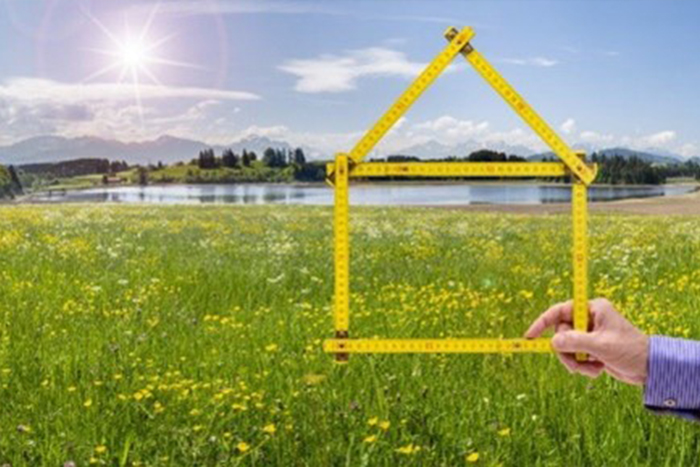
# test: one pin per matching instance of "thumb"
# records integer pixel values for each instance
(575, 341)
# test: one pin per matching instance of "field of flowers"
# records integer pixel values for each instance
(133, 335)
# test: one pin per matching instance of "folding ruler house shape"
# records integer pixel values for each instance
(348, 166)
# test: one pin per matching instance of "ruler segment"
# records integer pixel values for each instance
(341, 309)
(531, 117)
(414, 91)
(579, 216)
(437, 346)
(526, 112)
(463, 169)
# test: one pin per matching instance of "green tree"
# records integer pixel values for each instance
(207, 159)
(299, 158)
(230, 159)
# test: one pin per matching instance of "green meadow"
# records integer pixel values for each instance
(192, 336)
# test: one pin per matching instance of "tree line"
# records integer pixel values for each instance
(615, 169)
(274, 158)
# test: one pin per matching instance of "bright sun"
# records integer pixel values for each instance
(133, 56)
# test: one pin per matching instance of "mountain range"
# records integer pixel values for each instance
(170, 149)
(167, 149)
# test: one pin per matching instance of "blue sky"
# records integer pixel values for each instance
(319, 73)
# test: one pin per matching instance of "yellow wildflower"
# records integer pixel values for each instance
(371, 439)
(270, 429)
(87, 403)
(504, 432)
(271, 348)
(243, 447)
(313, 379)
(473, 457)
(408, 449)
(385, 425)
(101, 449)
(373, 421)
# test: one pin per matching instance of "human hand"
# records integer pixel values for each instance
(614, 345)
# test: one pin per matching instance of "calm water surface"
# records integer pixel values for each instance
(466, 193)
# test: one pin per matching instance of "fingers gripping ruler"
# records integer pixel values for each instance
(348, 166)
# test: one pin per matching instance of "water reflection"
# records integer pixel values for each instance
(386, 194)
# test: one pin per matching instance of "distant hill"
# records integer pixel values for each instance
(653, 158)
(434, 149)
(168, 149)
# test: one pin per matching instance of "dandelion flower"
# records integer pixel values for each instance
(270, 429)
(504, 432)
(385, 425)
(101, 449)
(408, 449)
(473, 457)
(370, 439)
(271, 348)
(243, 447)
(87, 404)
(373, 421)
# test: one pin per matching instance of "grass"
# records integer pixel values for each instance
(135, 335)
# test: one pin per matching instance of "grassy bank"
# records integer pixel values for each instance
(134, 335)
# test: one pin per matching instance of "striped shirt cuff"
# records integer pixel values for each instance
(673, 380)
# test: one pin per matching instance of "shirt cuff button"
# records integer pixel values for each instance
(670, 403)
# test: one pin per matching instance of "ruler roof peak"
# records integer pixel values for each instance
(459, 43)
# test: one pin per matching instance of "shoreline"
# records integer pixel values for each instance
(682, 204)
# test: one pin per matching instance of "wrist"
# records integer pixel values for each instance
(643, 357)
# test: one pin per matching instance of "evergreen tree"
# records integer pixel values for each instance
(229, 159)
(207, 159)
(299, 158)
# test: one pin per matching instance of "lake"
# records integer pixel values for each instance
(368, 194)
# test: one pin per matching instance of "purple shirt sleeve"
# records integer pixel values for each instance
(673, 379)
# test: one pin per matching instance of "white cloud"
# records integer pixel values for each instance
(659, 139)
(568, 126)
(35, 89)
(445, 129)
(532, 61)
(276, 131)
(339, 73)
(688, 150)
(451, 129)
(595, 138)
(31, 107)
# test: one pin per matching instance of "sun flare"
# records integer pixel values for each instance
(134, 57)
(133, 54)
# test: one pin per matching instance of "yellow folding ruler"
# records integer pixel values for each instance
(346, 166)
